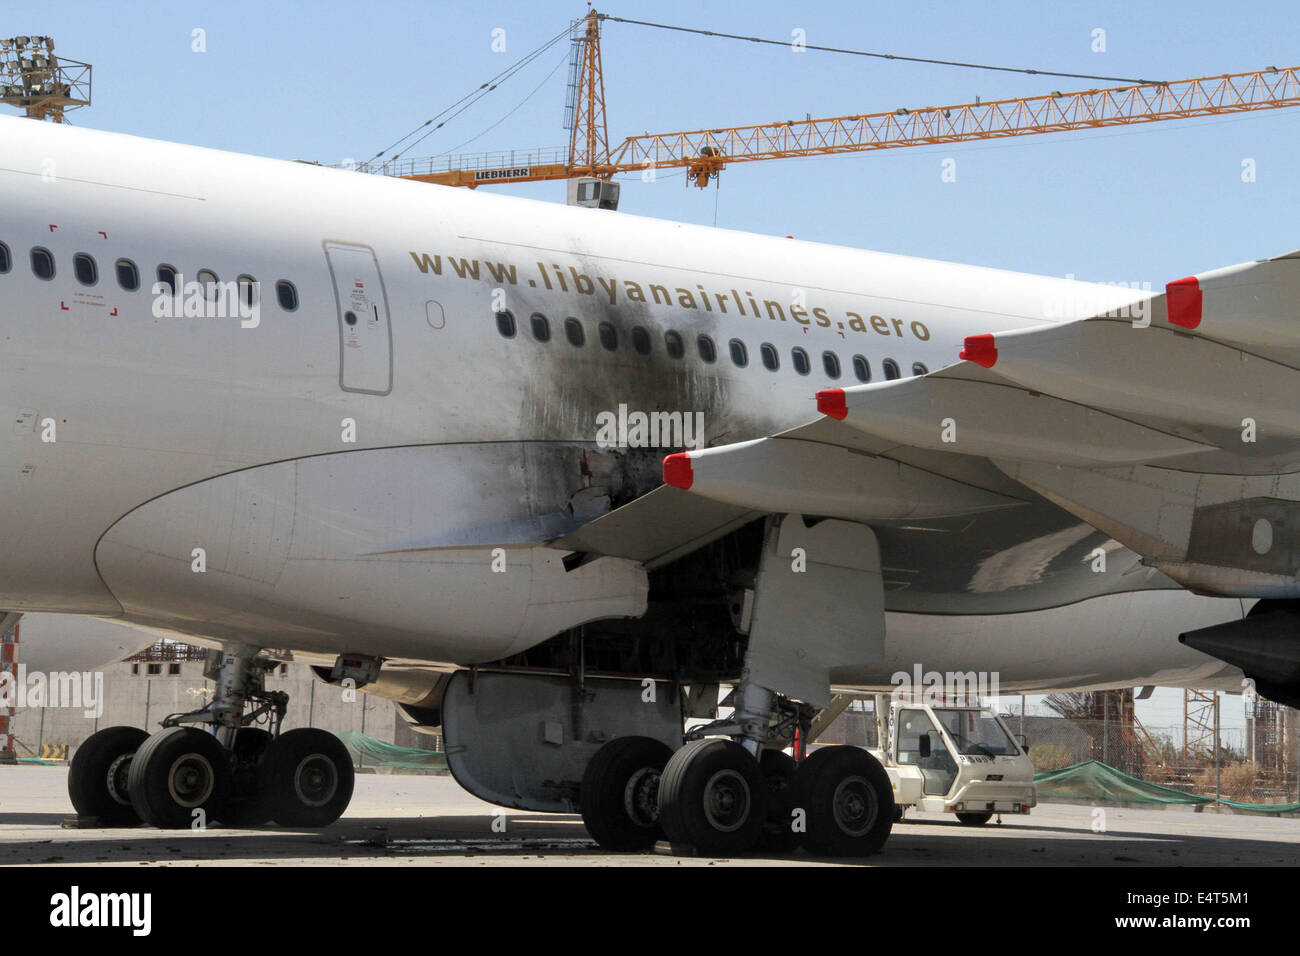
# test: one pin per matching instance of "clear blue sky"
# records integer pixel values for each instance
(332, 80)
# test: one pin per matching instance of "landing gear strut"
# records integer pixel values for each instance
(229, 771)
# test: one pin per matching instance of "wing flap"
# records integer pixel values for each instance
(658, 527)
(983, 414)
(785, 474)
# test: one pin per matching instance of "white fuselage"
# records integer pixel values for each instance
(341, 477)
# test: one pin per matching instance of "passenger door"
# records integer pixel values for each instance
(365, 333)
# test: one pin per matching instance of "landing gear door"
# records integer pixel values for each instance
(819, 605)
(365, 332)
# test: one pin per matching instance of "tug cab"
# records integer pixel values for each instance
(953, 758)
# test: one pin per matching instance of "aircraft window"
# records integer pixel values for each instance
(506, 323)
(891, 369)
(86, 270)
(919, 369)
(861, 369)
(800, 359)
(541, 327)
(128, 276)
(608, 335)
(640, 340)
(674, 344)
(42, 263)
(739, 354)
(208, 280)
(249, 292)
(708, 351)
(831, 363)
(167, 276)
(574, 333)
(287, 294)
(6, 263)
(771, 358)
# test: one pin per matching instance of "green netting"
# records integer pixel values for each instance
(1094, 780)
(384, 754)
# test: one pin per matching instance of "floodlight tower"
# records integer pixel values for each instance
(33, 79)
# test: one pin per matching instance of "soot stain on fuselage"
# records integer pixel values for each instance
(568, 387)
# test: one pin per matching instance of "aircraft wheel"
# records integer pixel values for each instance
(974, 819)
(97, 777)
(849, 801)
(620, 790)
(779, 769)
(248, 805)
(307, 776)
(712, 796)
(178, 772)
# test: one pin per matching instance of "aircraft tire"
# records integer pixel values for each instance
(619, 793)
(177, 773)
(848, 800)
(306, 774)
(779, 769)
(248, 806)
(97, 776)
(712, 796)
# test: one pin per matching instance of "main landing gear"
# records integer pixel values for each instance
(226, 771)
(729, 790)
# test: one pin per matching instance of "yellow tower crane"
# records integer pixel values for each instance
(704, 153)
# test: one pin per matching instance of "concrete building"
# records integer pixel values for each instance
(168, 679)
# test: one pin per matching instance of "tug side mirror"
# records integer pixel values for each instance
(1023, 741)
(924, 745)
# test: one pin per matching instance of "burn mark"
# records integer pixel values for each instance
(567, 387)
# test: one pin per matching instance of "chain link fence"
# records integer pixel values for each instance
(1251, 772)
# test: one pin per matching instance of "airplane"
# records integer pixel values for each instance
(548, 476)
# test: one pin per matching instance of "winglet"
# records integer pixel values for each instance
(981, 350)
(1183, 302)
(831, 402)
(678, 471)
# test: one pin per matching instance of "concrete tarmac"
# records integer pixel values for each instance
(425, 820)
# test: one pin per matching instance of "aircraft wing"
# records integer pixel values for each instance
(1173, 428)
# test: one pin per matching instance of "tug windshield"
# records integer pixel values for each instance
(976, 732)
